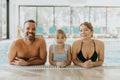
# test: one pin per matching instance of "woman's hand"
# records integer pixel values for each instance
(88, 64)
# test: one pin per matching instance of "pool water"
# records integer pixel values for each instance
(4, 52)
(112, 50)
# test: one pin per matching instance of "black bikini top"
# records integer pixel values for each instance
(93, 58)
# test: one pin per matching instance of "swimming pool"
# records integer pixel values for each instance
(112, 50)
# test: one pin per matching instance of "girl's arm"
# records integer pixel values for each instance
(51, 56)
(69, 56)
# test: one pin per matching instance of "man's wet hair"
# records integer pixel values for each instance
(29, 21)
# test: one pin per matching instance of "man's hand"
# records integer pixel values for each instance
(20, 62)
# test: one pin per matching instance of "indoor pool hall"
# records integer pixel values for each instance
(59, 40)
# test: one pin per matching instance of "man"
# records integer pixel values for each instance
(29, 50)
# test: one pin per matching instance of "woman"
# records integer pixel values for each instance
(87, 52)
(60, 53)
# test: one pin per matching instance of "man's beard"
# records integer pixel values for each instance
(31, 38)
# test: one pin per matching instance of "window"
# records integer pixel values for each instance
(98, 20)
(27, 13)
(113, 21)
(78, 16)
(45, 18)
(3, 19)
(105, 20)
(62, 18)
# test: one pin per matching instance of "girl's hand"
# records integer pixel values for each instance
(60, 64)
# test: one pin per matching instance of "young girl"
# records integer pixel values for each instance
(60, 53)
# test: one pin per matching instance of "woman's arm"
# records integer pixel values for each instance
(74, 54)
(100, 55)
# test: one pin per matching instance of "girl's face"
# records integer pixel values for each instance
(85, 32)
(60, 39)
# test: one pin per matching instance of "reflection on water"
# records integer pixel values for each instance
(57, 74)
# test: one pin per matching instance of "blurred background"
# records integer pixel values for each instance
(51, 15)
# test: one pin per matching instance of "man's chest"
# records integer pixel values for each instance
(28, 51)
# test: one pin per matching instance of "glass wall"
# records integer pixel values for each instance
(113, 21)
(105, 20)
(27, 13)
(98, 20)
(3, 19)
(62, 18)
(45, 18)
(48, 19)
(78, 15)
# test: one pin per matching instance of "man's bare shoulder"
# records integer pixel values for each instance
(17, 41)
(40, 39)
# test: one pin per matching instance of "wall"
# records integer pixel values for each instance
(14, 6)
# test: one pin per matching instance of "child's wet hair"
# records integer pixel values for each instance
(60, 31)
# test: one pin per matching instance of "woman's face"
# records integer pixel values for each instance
(85, 32)
(60, 39)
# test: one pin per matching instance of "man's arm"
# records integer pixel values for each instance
(12, 53)
(42, 55)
